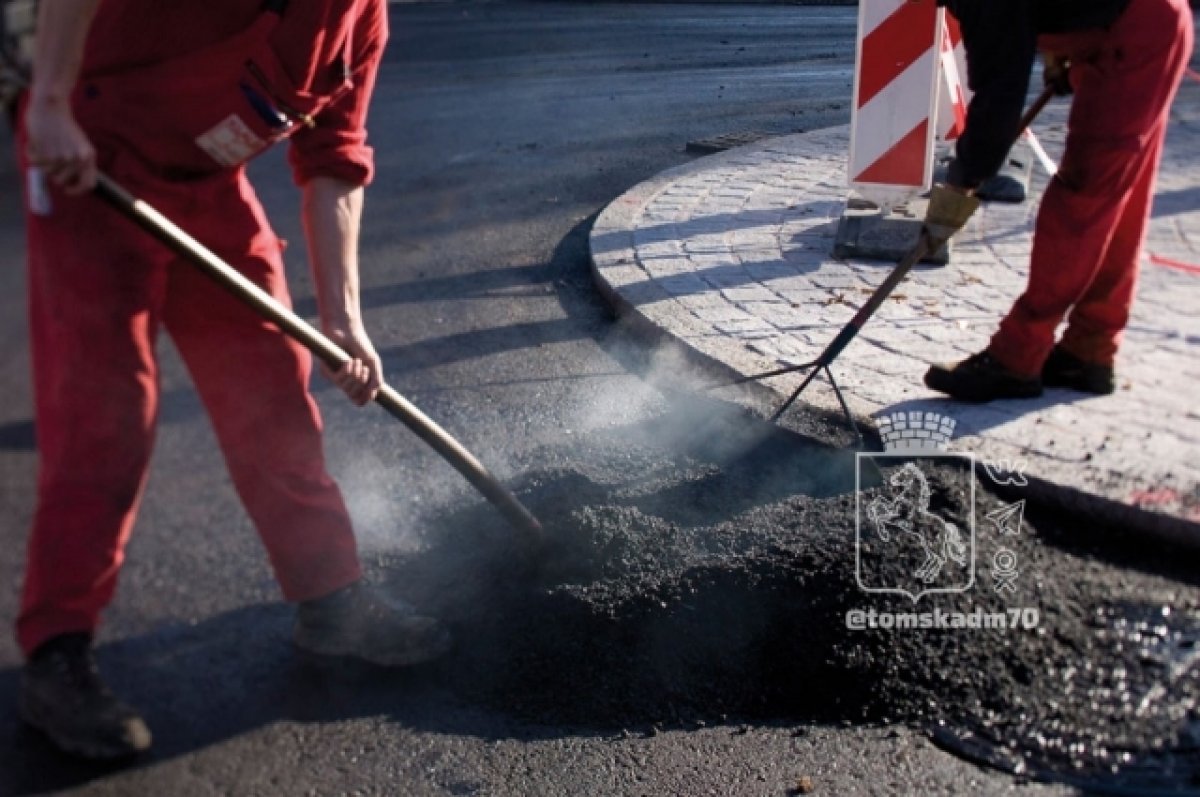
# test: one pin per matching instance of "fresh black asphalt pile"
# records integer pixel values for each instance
(700, 568)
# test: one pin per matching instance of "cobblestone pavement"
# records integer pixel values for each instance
(731, 255)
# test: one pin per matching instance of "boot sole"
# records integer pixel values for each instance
(943, 382)
(409, 658)
(1080, 386)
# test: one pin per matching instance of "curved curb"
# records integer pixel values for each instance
(656, 314)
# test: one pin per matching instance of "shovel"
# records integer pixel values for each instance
(322, 347)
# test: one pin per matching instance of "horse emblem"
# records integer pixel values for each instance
(908, 513)
(903, 545)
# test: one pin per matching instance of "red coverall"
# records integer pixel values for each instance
(160, 86)
(1093, 216)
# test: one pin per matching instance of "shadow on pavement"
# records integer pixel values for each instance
(1176, 202)
(198, 686)
(18, 436)
(473, 285)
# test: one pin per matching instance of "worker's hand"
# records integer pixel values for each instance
(361, 378)
(58, 146)
(1056, 73)
(950, 207)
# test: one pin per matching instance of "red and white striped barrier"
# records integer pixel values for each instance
(953, 94)
(893, 120)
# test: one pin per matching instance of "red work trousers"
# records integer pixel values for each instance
(99, 290)
(1092, 220)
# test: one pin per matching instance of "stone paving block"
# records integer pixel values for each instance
(942, 333)
(800, 292)
(915, 347)
(661, 218)
(884, 392)
(684, 284)
(751, 295)
(918, 291)
(655, 234)
(811, 339)
(684, 325)
(833, 313)
(753, 259)
(722, 313)
(1065, 445)
(805, 253)
(968, 258)
(731, 192)
(890, 364)
(769, 253)
(808, 260)
(830, 280)
(894, 310)
(726, 277)
(780, 314)
(780, 349)
(665, 266)
(643, 294)
(716, 259)
(754, 238)
(769, 270)
(778, 198)
(658, 247)
(746, 329)
(695, 241)
(707, 299)
(757, 217)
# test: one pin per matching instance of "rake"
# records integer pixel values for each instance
(926, 243)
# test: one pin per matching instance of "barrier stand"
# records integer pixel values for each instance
(898, 76)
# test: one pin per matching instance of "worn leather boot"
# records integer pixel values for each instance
(360, 622)
(981, 378)
(63, 696)
(1063, 369)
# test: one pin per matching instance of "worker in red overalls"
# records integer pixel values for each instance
(1123, 59)
(172, 99)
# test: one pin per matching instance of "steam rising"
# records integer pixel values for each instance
(699, 566)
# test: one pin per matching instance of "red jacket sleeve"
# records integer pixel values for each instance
(337, 145)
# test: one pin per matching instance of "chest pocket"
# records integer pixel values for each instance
(212, 109)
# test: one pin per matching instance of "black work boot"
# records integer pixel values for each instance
(63, 696)
(361, 622)
(1063, 369)
(980, 378)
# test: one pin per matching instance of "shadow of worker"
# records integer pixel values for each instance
(199, 685)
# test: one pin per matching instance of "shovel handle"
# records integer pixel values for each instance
(195, 253)
(1032, 112)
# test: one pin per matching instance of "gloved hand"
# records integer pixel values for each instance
(1056, 73)
(949, 209)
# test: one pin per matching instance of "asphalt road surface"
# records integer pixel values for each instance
(501, 129)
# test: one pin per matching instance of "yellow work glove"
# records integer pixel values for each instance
(1056, 73)
(949, 210)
